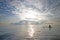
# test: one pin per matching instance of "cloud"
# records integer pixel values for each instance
(40, 5)
(2, 14)
(49, 9)
(44, 6)
(26, 22)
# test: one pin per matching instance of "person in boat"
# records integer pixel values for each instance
(50, 27)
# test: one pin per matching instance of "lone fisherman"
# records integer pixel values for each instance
(50, 27)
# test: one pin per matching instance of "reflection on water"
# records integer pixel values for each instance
(29, 32)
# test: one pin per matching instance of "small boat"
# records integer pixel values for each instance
(49, 26)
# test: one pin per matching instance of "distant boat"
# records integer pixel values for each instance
(50, 27)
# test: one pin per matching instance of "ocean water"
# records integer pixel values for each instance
(29, 32)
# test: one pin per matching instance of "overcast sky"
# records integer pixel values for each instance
(11, 10)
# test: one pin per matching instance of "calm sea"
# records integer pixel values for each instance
(29, 32)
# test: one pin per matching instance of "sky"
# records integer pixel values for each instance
(13, 11)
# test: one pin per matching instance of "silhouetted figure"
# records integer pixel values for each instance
(50, 27)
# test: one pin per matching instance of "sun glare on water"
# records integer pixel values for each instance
(31, 31)
(30, 15)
